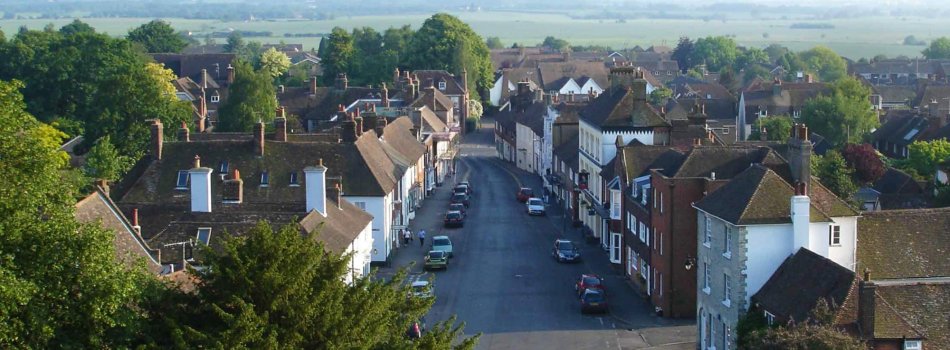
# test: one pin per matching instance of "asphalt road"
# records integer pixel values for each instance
(504, 283)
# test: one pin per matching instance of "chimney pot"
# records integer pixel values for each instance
(157, 139)
(280, 128)
(197, 163)
(183, 133)
(230, 74)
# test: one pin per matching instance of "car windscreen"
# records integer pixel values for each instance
(591, 281)
(460, 189)
(456, 206)
(527, 191)
(594, 297)
(441, 241)
(535, 202)
(568, 246)
(453, 215)
(436, 255)
(458, 197)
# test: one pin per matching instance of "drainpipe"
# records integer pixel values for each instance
(672, 266)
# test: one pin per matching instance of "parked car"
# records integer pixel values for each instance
(454, 219)
(588, 281)
(461, 189)
(593, 300)
(459, 207)
(442, 243)
(461, 198)
(565, 251)
(535, 206)
(469, 185)
(422, 289)
(437, 259)
(524, 193)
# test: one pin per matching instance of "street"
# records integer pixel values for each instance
(504, 283)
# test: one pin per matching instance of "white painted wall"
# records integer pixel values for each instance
(380, 208)
(524, 147)
(591, 84)
(768, 246)
(361, 249)
(571, 87)
(942, 177)
(845, 254)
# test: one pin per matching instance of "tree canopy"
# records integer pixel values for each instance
(826, 63)
(844, 116)
(493, 42)
(864, 159)
(274, 63)
(683, 53)
(938, 49)
(924, 156)
(777, 128)
(834, 173)
(660, 95)
(445, 42)
(336, 55)
(157, 36)
(104, 162)
(250, 99)
(555, 43)
(717, 52)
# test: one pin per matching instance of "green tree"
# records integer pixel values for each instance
(445, 42)
(659, 96)
(683, 52)
(555, 43)
(844, 116)
(75, 27)
(281, 289)
(274, 63)
(157, 36)
(938, 49)
(336, 55)
(250, 99)
(833, 172)
(924, 156)
(60, 285)
(493, 42)
(104, 162)
(750, 57)
(824, 62)
(235, 43)
(716, 52)
(866, 162)
(817, 332)
(775, 51)
(792, 63)
(777, 128)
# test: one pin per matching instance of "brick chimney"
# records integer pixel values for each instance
(866, 305)
(202, 113)
(386, 93)
(315, 178)
(204, 79)
(396, 76)
(359, 122)
(233, 191)
(259, 138)
(230, 74)
(280, 129)
(381, 123)
(370, 120)
(183, 134)
(135, 222)
(341, 82)
(799, 158)
(157, 139)
(313, 85)
(103, 186)
(763, 134)
(200, 187)
(348, 130)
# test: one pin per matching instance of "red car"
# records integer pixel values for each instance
(586, 282)
(524, 193)
(454, 218)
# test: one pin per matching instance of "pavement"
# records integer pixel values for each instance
(503, 282)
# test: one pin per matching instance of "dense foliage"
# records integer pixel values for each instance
(660, 95)
(716, 52)
(493, 42)
(682, 54)
(938, 49)
(815, 333)
(157, 36)
(825, 63)
(833, 172)
(923, 157)
(250, 100)
(87, 83)
(843, 116)
(864, 159)
(777, 128)
(104, 162)
(445, 42)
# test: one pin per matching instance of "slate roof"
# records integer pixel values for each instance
(896, 93)
(803, 279)
(428, 121)
(791, 96)
(687, 86)
(617, 108)
(896, 181)
(443, 102)
(130, 248)
(933, 93)
(921, 308)
(567, 151)
(897, 130)
(533, 117)
(190, 65)
(553, 75)
(726, 162)
(453, 84)
(904, 243)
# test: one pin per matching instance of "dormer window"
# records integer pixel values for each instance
(182, 182)
(223, 167)
(265, 179)
(204, 235)
(441, 85)
(215, 98)
(293, 180)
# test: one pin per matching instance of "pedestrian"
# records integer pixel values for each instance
(405, 237)
(422, 238)
(409, 233)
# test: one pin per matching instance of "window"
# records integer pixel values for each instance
(727, 248)
(361, 205)
(706, 288)
(441, 85)
(615, 247)
(643, 194)
(707, 230)
(661, 203)
(265, 179)
(182, 183)
(654, 198)
(913, 345)
(727, 290)
(661, 243)
(204, 235)
(215, 98)
(294, 182)
(644, 269)
(634, 260)
(725, 335)
(834, 235)
(769, 318)
(223, 167)
(660, 289)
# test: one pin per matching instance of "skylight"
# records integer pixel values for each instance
(293, 179)
(911, 134)
(265, 179)
(204, 235)
(182, 183)
(223, 168)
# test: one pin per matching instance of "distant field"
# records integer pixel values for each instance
(854, 38)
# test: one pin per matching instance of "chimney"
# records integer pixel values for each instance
(341, 82)
(135, 222)
(103, 186)
(230, 74)
(359, 122)
(204, 79)
(200, 187)
(157, 139)
(259, 138)
(280, 129)
(866, 305)
(763, 134)
(799, 159)
(777, 87)
(386, 93)
(202, 113)
(315, 178)
(183, 133)
(396, 76)
(697, 142)
(809, 79)
(381, 123)
(348, 130)
(801, 209)
(339, 196)
(313, 85)
(370, 121)
(233, 191)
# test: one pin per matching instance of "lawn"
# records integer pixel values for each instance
(854, 38)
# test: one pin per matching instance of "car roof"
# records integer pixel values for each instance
(420, 283)
(454, 212)
(437, 251)
(590, 275)
(593, 291)
(560, 240)
(437, 237)
(526, 188)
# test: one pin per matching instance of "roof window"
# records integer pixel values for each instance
(182, 182)
(204, 235)
(293, 180)
(265, 179)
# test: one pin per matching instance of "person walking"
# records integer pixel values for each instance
(409, 234)
(422, 238)
(405, 237)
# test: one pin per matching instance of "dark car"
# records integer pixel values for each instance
(565, 251)
(454, 219)
(461, 189)
(461, 198)
(593, 300)
(436, 259)
(459, 207)
(469, 185)
(587, 282)
(524, 193)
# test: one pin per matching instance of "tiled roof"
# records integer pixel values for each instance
(444, 103)
(931, 93)
(340, 227)
(921, 308)
(190, 65)
(639, 160)
(431, 121)
(397, 135)
(896, 181)
(130, 248)
(800, 282)
(551, 73)
(617, 108)
(726, 162)
(687, 86)
(533, 117)
(901, 131)
(896, 93)
(453, 84)
(904, 243)
(567, 151)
